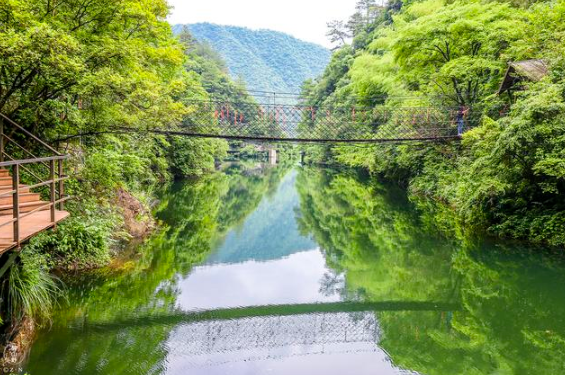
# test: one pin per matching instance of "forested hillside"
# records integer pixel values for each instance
(266, 60)
(507, 174)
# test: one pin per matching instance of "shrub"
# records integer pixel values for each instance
(29, 289)
(78, 243)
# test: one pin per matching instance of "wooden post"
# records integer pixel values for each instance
(16, 203)
(61, 185)
(1, 139)
(52, 189)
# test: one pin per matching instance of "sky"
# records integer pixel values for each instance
(303, 19)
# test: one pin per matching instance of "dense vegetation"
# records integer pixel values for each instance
(507, 174)
(264, 59)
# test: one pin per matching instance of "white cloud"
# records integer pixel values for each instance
(304, 19)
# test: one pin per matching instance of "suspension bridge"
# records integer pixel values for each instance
(248, 120)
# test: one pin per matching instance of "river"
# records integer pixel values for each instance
(301, 270)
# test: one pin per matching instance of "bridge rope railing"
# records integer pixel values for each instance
(249, 120)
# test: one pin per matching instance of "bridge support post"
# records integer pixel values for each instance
(1, 140)
(272, 156)
(16, 203)
(52, 197)
(61, 185)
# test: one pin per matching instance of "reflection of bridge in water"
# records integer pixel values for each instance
(218, 342)
(222, 336)
(227, 336)
(219, 336)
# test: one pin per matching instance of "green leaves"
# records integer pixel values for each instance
(457, 50)
(37, 64)
(30, 290)
(71, 67)
(508, 172)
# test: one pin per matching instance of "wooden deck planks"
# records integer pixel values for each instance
(29, 226)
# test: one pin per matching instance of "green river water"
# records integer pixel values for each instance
(296, 270)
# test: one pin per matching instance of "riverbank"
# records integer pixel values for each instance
(483, 188)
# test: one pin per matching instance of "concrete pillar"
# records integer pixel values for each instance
(272, 156)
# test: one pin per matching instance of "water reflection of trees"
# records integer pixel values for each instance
(196, 215)
(511, 319)
(374, 238)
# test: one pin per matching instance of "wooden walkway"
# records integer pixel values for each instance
(29, 226)
(23, 212)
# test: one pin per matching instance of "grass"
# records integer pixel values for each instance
(29, 289)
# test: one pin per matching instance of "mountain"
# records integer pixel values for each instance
(265, 60)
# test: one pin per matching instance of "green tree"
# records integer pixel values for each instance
(75, 67)
(458, 50)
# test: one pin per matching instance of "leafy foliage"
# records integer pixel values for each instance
(69, 65)
(75, 245)
(507, 173)
(29, 290)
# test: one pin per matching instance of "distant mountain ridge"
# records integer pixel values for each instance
(266, 60)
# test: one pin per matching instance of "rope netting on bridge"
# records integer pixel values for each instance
(249, 120)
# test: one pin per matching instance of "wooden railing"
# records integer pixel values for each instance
(46, 171)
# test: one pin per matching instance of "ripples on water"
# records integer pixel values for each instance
(308, 271)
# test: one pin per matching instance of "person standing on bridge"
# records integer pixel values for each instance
(461, 115)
